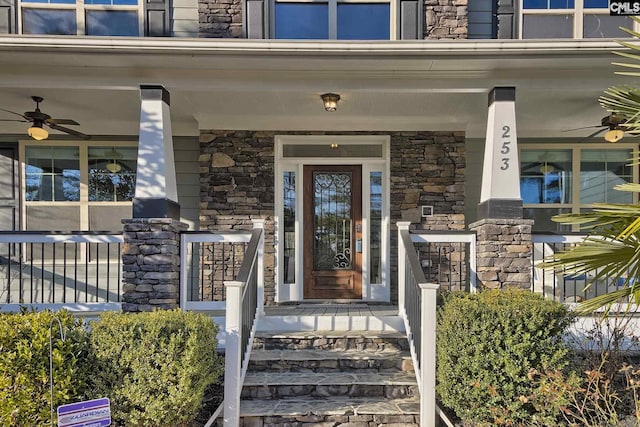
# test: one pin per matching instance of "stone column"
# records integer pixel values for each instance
(151, 263)
(504, 247)
(151, 250)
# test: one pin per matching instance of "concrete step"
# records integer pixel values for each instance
(391, 384)
(336, 410)
(327, 361)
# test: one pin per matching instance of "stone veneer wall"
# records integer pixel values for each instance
(151, 263)
(237, 179)
(504, 253)
(446, 19)
(220, 18)
(443, 19)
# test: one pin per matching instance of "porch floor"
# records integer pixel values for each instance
(331, 317)
(361, 309)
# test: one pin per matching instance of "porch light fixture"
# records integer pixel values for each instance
(613, 135)
(330, 101)
(37, 132)
(334, 146)
(113, 167)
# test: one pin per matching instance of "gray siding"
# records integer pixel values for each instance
(186, 152)
(184, 18)
(473, 178)
(482, 21)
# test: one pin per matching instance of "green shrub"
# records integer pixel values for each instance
(487, 343)
(24, 365)
(154, 366)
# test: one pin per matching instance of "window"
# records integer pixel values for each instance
(70, 187)
(81, 17)
(332, 19)
(570, 19)
(569, 179)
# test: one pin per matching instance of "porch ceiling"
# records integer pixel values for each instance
(270, 85)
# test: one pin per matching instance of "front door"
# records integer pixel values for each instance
(332, 257)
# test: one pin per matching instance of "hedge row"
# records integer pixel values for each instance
(154, 367)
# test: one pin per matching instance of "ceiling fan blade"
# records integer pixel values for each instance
(69, 131)
(595, 133)
(17, 114)
(14, 120)
(62, 121)
(585, 127)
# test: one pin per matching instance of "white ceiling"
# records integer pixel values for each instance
(241, 84)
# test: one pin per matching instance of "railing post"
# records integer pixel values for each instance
(259, 224)
(403, 226)
(428, 296)
(233, 353)
(473, 265)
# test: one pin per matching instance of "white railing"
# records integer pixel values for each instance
(77, 271)
(447, 258)
(417, 306)
(245, 298)
(566, 288)
(208, 259)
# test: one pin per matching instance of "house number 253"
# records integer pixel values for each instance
(505, 149)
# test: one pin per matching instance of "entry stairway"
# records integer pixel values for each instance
(355, 372)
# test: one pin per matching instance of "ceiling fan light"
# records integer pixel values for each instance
(613, 135)
(37, 132)
(113, 167)
(546, 168)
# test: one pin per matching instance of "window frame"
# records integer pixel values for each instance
(575, 205)
(80, 8)
(83, 204)
(578, 12)
(394, 16)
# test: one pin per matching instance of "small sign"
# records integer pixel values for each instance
(90, 413)
(624, 7)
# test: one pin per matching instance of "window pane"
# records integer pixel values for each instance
(603, 26)
(289, 201)
(545, 176)
(547, 26)
(596, 4)
(375, 233)
(302, 21)
(600, 171)
(549, 4)
(363, 21)
(48, 21)
(543, 222)
(52, 174)
(113, 2)
(337, 150)
(112, 174)
(112, 23)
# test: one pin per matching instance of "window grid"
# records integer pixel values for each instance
(394, 26)
(574, 204)
(83, 203)
(578, 12)
(80, 8)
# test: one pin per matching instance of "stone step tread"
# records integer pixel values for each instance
(329, 406)
(329, 334)
(368, 377)
(297, 355)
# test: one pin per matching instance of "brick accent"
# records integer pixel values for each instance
(237, 183)
(151, 263)
(504, 253)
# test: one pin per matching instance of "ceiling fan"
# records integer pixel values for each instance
(39, 120)
(612, 125)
